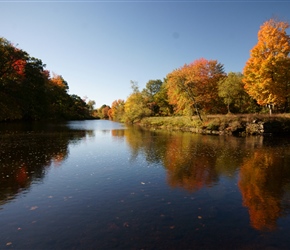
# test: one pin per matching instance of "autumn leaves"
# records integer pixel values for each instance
(267, 72)
(203, 87)
(28, 92)
(266, 76)
(194, 86)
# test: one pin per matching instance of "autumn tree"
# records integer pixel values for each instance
(58, 81)
(195, 86)
(57, 96)
(22, 84)
(116, 113)
(103, 111)
(267, 72)
(135, 106)
(27, 91)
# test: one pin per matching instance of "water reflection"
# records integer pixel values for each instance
(195, 161)
(28, 149)
(192, 161)
(259, 166)
(264, 181)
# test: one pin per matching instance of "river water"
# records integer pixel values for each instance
(102, 185)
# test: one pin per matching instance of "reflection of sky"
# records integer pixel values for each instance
(95, 125)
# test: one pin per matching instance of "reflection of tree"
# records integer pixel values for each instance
(262, 182)
(26, 152)
(190, 165)
(192, 161)
(118, 132)
(150, 143)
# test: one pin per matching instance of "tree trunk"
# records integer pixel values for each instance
(197, 111)
(229, 109)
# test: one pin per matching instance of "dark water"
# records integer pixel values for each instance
(99, 185)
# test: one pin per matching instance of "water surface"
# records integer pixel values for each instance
(102, 185)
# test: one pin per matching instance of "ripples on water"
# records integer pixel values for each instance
(101, 185)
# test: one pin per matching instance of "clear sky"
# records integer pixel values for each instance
(99, 46)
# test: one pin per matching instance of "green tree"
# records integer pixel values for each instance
(152, 89)
(77, 108)
(161, 99)
(231, 89)
(91, 104)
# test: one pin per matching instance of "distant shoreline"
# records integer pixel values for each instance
(238, 125)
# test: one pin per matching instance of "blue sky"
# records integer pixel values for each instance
(100, 46)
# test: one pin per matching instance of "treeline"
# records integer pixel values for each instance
(203, 87)
(29, 92)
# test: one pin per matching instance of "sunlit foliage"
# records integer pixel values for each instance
(117, 110)
(231, 89)
(136, 106)
(104, 112)
(262, 187)
(195, 86)
(267, 72)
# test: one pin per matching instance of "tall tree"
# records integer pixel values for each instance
(267, 72)
(195, 85)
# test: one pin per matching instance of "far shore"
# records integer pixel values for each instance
(230, 124)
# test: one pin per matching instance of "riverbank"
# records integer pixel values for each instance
(240, 125)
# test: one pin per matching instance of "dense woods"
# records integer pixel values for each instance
(29, 92)
(199, 88)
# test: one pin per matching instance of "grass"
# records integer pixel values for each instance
(229, 123)
(172, 121)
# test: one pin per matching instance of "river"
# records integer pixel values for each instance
(102, 185)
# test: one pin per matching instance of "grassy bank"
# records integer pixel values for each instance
(249, 124)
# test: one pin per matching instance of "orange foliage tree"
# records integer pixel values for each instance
(195, 85)
(59, 81)
(267, 72)
(117, 110)
(187, 167)
(262, 180)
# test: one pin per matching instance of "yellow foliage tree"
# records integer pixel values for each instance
(135, 106)
(267, 72)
